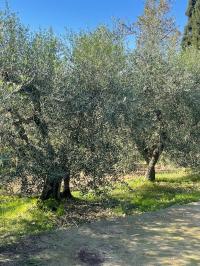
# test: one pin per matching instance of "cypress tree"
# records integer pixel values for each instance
(192, 29)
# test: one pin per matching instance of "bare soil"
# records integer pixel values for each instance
(166, 237)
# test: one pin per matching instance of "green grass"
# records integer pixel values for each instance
(169, 189)
(22, 216)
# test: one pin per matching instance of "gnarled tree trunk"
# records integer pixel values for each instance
(67, 192)
(150, 174)
(155, 155)
(51, 189)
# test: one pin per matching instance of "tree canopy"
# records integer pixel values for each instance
(84, 106)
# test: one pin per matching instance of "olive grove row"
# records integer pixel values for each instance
(87, 105)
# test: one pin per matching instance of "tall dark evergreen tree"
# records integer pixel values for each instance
(192, 29)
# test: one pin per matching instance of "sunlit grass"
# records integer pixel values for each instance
(137, 195)
(22, 216)
(169, 189)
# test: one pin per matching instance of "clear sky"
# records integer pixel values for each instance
(82, 14)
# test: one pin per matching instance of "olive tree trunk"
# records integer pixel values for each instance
(151, 173)
(67, 192)
(51, 189)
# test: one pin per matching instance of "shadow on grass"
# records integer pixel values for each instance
(161, 238)
(161, 194)
(143, 197)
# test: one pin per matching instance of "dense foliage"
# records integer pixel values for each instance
(192, 32)
(85, 108)
(55, 105)
(161, 84)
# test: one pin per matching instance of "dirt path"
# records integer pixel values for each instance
(166, 237)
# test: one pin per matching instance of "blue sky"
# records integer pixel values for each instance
(82, 14)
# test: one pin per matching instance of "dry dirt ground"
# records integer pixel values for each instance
(167, 237)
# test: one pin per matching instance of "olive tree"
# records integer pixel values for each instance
(31, 69)
(57, 100)
(96, 61)
(162, 110)
(152, 79)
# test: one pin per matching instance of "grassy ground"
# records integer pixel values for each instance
(170, 188)
(22, 216)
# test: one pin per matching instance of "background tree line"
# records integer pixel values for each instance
(86, 106)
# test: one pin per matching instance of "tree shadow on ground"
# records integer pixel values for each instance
(167, 237)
